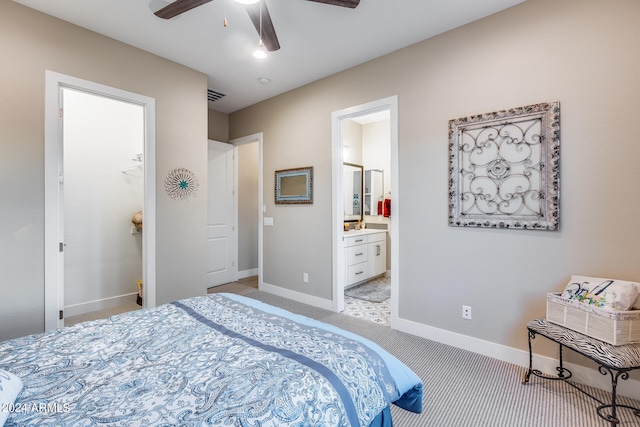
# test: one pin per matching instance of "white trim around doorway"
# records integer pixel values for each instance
(256, 137)
(54, 287)
(338, 261)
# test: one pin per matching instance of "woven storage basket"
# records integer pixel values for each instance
(614, 327)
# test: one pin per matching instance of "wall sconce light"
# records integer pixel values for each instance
(345, 151)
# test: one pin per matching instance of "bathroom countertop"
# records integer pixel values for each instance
(365, 231)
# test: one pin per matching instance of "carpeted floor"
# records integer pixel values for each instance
(462, 388)
(465, 389)
(241, 287)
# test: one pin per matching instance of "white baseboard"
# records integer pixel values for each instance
(591, 377)
(327, 304)
(247, 273)
(88, 307)
(581, 374)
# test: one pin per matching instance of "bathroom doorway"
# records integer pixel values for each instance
(367, 135)
(367, 142)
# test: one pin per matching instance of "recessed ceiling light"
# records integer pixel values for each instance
(264, 80)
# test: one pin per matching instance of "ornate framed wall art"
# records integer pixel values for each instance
(504, 169)
(294, 186)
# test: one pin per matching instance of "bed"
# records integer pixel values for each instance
(220, 359)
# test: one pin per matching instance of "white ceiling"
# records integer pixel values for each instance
(316, 39)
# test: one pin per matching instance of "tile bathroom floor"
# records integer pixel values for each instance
(379, 313)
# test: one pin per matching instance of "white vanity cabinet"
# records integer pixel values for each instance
(365, 255)
(377, 258)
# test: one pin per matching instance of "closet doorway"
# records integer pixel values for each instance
(348, 147)
(99, 164)
(248, 179)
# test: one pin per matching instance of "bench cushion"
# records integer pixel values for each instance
(612, 356)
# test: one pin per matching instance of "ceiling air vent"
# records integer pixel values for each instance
(213, 95)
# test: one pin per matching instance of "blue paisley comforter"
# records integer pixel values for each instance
(217, 360)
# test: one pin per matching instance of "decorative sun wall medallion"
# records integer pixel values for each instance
(181, 184)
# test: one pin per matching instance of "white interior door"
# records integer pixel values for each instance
(221, 230)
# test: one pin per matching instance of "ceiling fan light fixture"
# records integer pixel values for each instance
(260, 53)
(247, 1)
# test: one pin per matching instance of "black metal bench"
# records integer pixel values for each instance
(616, 361)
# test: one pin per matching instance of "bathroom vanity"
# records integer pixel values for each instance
(365, 253)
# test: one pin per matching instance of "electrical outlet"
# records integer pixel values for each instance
(466, 312)
(305, 277)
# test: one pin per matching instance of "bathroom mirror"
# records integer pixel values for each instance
(294, 186)
(353, 175)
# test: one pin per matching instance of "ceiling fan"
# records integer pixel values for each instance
(263, 23)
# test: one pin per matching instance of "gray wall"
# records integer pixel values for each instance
(582, 53)
(218, 126)
(31, 43)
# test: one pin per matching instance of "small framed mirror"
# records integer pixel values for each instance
(294, 186)
(353, 183)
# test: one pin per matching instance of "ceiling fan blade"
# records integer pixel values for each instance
(344, 3)
(269, 38)
(178, 7)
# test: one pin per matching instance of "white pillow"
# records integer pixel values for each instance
(610, 294)
(10, 387)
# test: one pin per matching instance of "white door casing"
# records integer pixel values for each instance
(54, 191)
(257, 138)
(338, 259)
(221, 230)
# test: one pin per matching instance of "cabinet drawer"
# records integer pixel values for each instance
(357, 254)
(377, 237)
(355, 240)
(358, 273)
